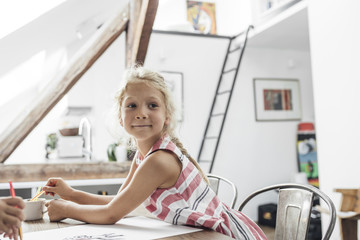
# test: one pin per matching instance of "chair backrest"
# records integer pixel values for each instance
(215, 182)
(294, 209)
(350, 199)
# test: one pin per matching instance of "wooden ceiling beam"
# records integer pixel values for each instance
(137, 20)
(141, 19)
(54, 92)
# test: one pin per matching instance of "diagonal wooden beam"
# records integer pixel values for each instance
(87, 56)
(142, 15)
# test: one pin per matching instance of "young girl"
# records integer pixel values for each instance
(163, 176)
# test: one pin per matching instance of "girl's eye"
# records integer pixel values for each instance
(132, 105)
(153, 105)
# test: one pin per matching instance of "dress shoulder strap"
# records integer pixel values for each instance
(165, 143)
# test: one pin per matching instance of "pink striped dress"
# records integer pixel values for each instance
(192, 202)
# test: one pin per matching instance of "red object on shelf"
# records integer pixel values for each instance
(306, 126)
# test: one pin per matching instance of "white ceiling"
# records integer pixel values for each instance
(55, 29)
(12, 17)
(289, 33)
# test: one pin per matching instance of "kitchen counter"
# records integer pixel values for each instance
(68, 171)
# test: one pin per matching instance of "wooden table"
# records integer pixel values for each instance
(45, 224)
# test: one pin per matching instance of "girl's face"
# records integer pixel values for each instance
(143, 112)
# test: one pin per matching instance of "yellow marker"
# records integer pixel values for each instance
(21, 233)
(39, 189)
(37, 195)
(42, 192)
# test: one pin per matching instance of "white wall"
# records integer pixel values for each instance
(53, 37)
(95, 89)
(257, 154)
(251, 154)
(200, 60)
(335, 51)
(265, 151)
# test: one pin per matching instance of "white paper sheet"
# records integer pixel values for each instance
(128, 228)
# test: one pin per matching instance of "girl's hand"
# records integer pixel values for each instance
(56, 209)
(11, 215)
(13, 234)
(58, 186)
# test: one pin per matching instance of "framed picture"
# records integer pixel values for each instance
(202, 16)
(174, 81)
(277, 99)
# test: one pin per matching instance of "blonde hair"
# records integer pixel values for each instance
(139, 74)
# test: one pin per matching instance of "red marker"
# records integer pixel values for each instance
(12, 193)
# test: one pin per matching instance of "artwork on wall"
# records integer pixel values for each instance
(307, 152)
(277, 99)
(175, 83)
(202, 16)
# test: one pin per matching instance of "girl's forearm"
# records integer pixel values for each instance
(95, 214)
(86, 198)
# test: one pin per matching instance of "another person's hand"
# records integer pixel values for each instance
(58, 186)
(56, 209)
(11, 215)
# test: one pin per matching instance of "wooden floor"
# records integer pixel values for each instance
(269, 232)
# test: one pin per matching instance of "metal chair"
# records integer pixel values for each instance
(215, 182)
(294, 206)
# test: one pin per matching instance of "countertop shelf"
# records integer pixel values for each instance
(68, 171)
(73, 183)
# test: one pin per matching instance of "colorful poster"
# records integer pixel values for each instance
(202, 16)
(307, 157)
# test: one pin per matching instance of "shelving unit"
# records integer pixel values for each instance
(285, 30)
(262, 10)
(284, 26)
